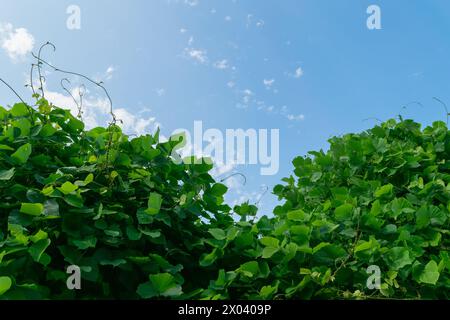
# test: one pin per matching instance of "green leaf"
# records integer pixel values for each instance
(398, 257)
(267, 292)
(430, 275)
(208, 259)
(22, 154)
(19, 110)
(40, 235)
(154, 203)
(218, 234)
(68, 187)
(344, 212)
(249, 269)
(112, 262)
(218, 189)
(297, 215)
(74, 200)
(165, 285)
(146, 291)
(32, 209)
(270, 242)
(268, 252)
(7, 174)
(5, 284)
(38, 248)
(385, 190)
(83, 244)
(423, 217)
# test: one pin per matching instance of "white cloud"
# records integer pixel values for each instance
(16, 42)
(250, 18)
(192, 3)
(160, 92)
(132, 124)
(183, 30)
(298, 72)
(227, 18)
(268, 83)
(198, 55)
(247, 97)
(96, 112)
(109, 72)
(298, 117)
(231, 84)
(222, 64)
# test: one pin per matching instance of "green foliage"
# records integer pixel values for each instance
(141, 226)
(136, 223)
(379, 198)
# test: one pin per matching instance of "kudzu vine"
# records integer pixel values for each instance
(149, 228)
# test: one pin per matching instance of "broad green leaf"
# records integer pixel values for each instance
(165, 285)
(218, 234)
(398, 257)
(270, 242)
(218, 189)
(385, 190)
(68, 187)
(38, 248)
(6, 175)
(344, 212)
(430, 274)
(146, 291)
(32, 209)
(268, 252)
(154, 203)
(22, 154)
(5, 284)
(19, 110)
(297, 215)
(249, 269)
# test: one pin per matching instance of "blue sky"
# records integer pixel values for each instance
(310, 68)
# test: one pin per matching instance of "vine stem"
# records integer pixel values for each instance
(352, 250)
(98, 84)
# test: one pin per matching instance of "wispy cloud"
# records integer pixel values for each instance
(268, 83)
(160, 92)
(17, 43)
(221, 64)
(251, 20)
(109, 72)
(198, 55)
(298, 72)
(298, 117)
(192, 3)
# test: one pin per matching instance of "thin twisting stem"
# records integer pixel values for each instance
(444, 105)
(68, 92)
(235, 174)
(98, 84)
(17, 95)
(39, 64)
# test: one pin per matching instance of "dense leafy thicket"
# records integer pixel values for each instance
(133, 221)
(379, 198)
(141, 226)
